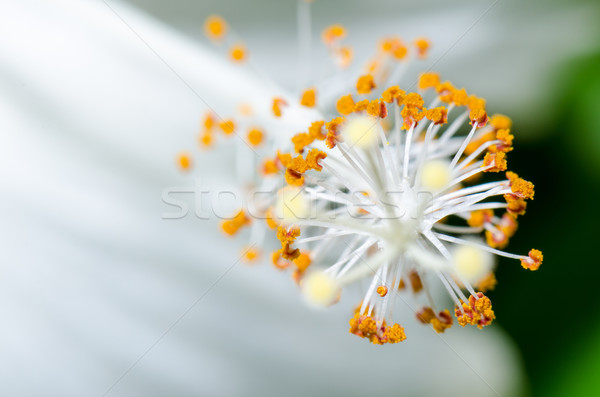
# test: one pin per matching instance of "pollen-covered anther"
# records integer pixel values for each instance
(215, 27)
(439, 322)
(289, 253)
(287, 234)
(394, 334)
(365, 84)
(478, 218)
(520, 187)
(233, 225)
(309, 98)
(278, 104)
(255, 137)
(227, 126)
(516, 206)
(437, 115)
(533, 260)
(413, 100)
(313, 158)
(497, 161)
(301, 140)
(333, 132)
(302, 262)
(422, 45)
(365, 326)
(377, 108)
(345, 105)
(445, 91)
(333, 33)
(506, 139)
(184, 161)
(478, 311)
(442, 321)
(293, 177)
(361, 105)
(425, 315)
(478, 117)
(283, 159)
(238, 53)
(382, 290)
(496, 238)
(411, 115)
(500, 122)
(428, 80)
(474, 103)
(278, 163)
(393, 94)
(316, 130)
(460, 97)
(298, 164)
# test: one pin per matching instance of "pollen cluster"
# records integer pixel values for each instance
(407, 191)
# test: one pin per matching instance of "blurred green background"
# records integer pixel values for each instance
(552, 313)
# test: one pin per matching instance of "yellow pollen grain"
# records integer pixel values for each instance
(429, 80)
(333, 33)
(422, 45)
(392, 94)
(205, 139)
(345, 105)
(500, 122)
(251, 254)
(302, 262)
(215, 27)
(238, 53)
(365, 84)
(308, 98)
(227, 126)
(255, 137)
(184, 161)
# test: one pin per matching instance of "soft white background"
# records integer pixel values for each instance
(91, 276)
